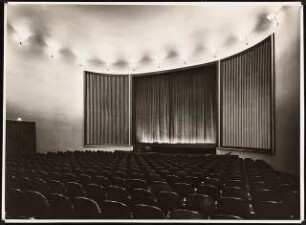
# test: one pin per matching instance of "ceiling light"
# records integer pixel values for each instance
(272, 18)
(22, 32)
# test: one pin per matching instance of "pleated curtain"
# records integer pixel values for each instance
(177, 107)
(152, 107)
(246, 98)
(106, 109)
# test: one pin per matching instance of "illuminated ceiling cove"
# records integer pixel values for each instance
(139, 38)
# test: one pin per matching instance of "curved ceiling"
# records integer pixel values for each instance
(139, 38)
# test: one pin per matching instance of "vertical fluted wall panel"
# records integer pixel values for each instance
(106, 109)
(246, 98)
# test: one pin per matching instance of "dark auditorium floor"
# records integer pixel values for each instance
(128, 185)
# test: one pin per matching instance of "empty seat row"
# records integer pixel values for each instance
(203, 186)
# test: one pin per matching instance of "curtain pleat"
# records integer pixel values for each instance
(106, 109)
(176, 107)
(246, 98)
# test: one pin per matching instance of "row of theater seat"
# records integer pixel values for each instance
(148, 186)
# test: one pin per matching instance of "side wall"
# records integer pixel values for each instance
(287, 97)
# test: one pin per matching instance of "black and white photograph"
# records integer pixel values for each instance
(153, 112)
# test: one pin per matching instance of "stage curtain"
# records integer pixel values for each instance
(177, 107)
(106, 109)
(152, 107)
(246, 98)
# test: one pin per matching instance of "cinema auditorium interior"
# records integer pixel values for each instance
(152, 111)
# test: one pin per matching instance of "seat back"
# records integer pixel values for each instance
(56, 187)
(119, 181)
(205, 204)
(95, 192)
(15, 202)
(168, 200)
(235, 183)
(183, 189)
(234, 206)
(83, 178)
(158, 186)
(226, 217)
(270, 210)
(142, 211)
(60, 206)
(25, 183)
(192, 180)
(262, 194)
(40, 185)
(172, 179)
(101, 180)
(118, 194)
(86, 208)
(115, 210)
(38, 205)
(154, 177)
(236, 192)
(142, 196)
(74, 189)
(138, 183)
(211, 190)
(184, 214)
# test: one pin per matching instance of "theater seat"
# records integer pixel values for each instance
(83, 179)
(292, 203)
(101, 180)
(37, 204)
(226, 217)
(25, 183)
(168, 200)
(119, 182)
(95, 192)
(271, 210)
(211, 190)
(263, 194)
(183, 189)
(184, 214)
(40, 185)
(158, 186)
(143, 211)
(16, 204)
(234, 206)
(115, 210)
(235, 183)
(204, 204)
(60, 206)
(74, 189)
(152, 177)
(142, 196)
(56, 187)
(138, 183)
(172, 179)
(118, 194)
(86, 208)
(236, 192)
